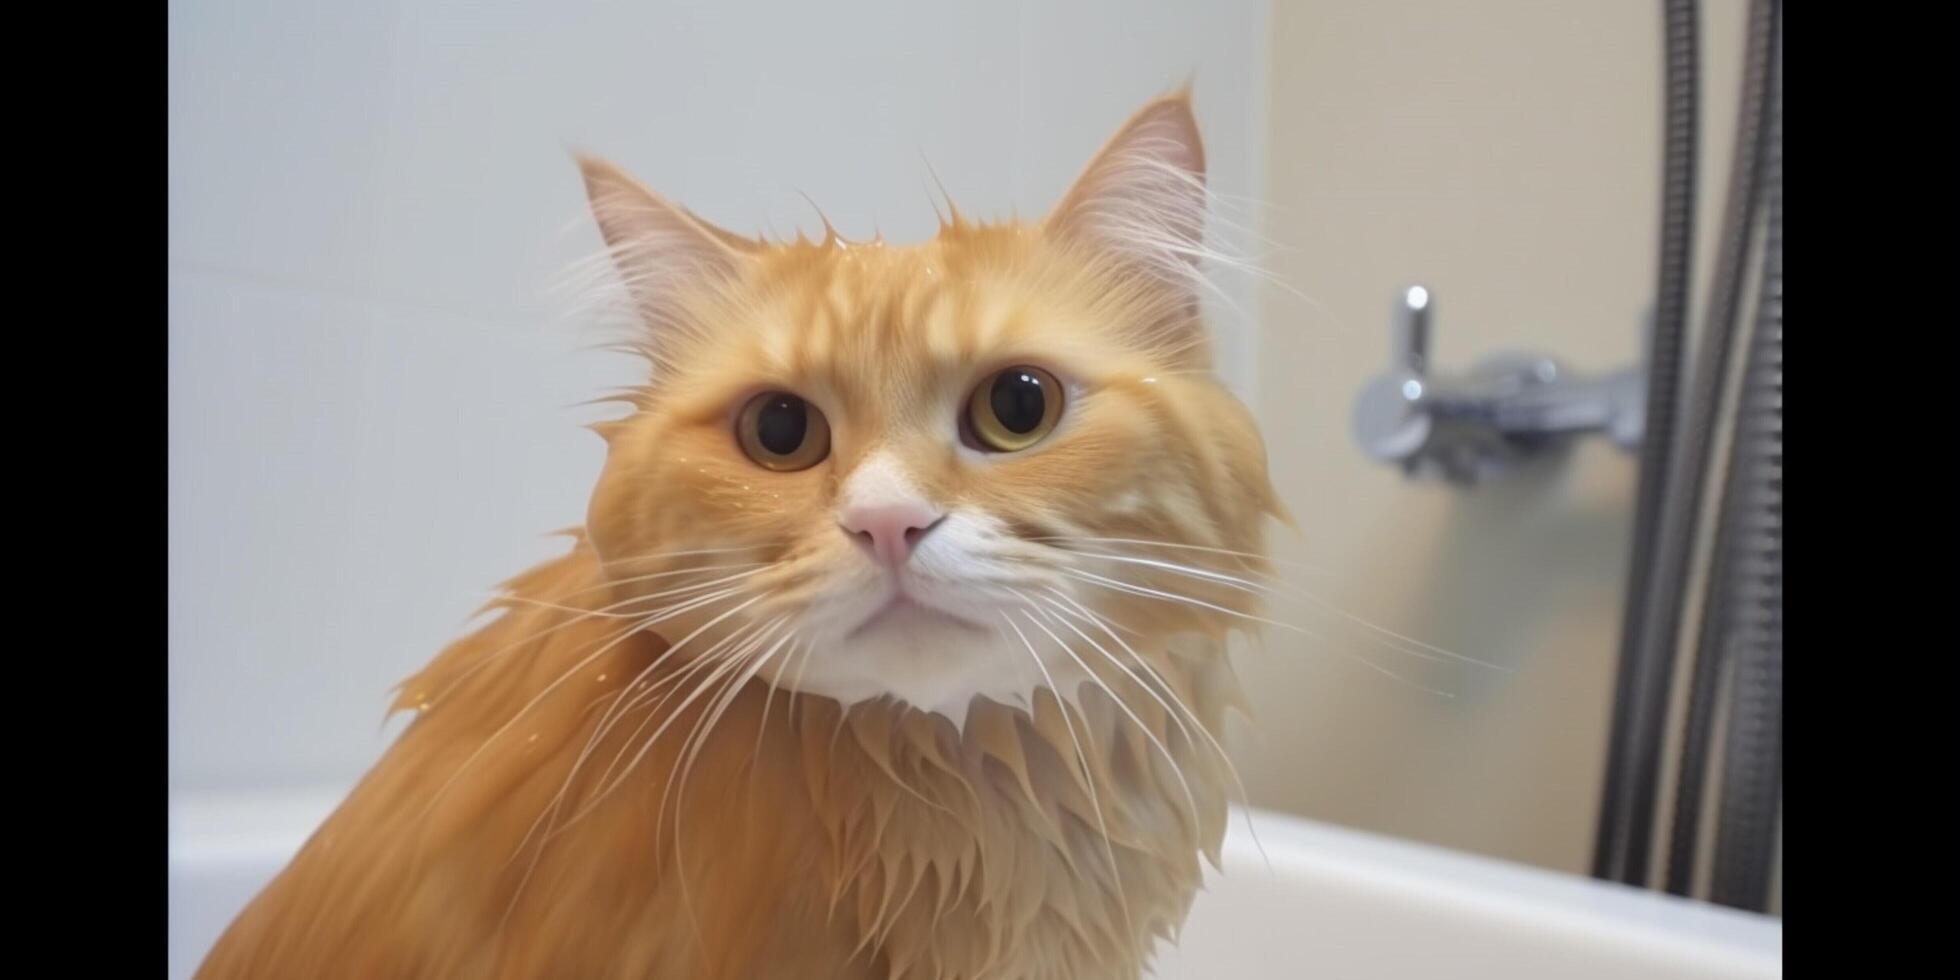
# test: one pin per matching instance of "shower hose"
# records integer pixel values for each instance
(1740, 637)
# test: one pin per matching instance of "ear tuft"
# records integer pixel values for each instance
(659, 248)
(1142, 199)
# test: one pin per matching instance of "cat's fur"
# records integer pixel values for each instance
(583, 798)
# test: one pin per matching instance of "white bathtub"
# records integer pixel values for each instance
(1333, 904)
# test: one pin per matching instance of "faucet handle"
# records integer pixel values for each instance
(1410, 337)
(1393, 418)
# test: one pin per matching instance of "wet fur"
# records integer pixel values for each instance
(528, 824)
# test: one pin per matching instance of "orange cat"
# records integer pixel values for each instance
(894, 644)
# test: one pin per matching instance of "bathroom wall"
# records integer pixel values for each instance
(1505, 154)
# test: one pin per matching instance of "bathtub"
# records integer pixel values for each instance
(1320, 902)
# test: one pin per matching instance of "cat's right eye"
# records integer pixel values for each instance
(782, 432)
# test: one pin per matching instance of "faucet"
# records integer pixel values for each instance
(1508, 408)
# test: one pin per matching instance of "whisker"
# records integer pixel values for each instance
(604, 725)
(809, 650)
(654, 695)
(611, 718)
(1190, 799)
(1216, 746)
(663, 594)
(716, 667)
(551, 831)
(631, 579)
(1246, 555)
(1286, 589)
(1119, 586)
(1088, 771)
(487, 659)
(762, 728)
(1148, 689)
(719, 705)
(636, 693)
(732, 689)
(650, 556)
(519, 891)
(613, 641)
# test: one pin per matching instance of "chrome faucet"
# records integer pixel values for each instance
(1509, 407)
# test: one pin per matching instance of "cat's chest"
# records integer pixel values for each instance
(820, 843)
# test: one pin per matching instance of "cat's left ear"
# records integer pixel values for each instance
(1142, 199)
(661, 249)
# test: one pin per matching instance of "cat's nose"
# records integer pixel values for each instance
(890, 531)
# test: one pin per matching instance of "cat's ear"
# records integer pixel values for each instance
(1142, 199)
(659, 248)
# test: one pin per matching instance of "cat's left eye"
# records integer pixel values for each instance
(782, 432)
(1014, 409)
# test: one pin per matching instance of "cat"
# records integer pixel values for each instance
(894, 644)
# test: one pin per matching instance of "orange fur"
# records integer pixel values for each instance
(586, 794)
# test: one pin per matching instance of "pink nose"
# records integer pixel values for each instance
(890, 531)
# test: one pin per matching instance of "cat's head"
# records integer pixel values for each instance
(990, 463)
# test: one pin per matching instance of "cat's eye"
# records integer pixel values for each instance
(1014, 409)
(783, 432)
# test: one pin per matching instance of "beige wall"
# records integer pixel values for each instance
(1506, 154)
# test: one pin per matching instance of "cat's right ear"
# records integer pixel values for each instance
(659, 248)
